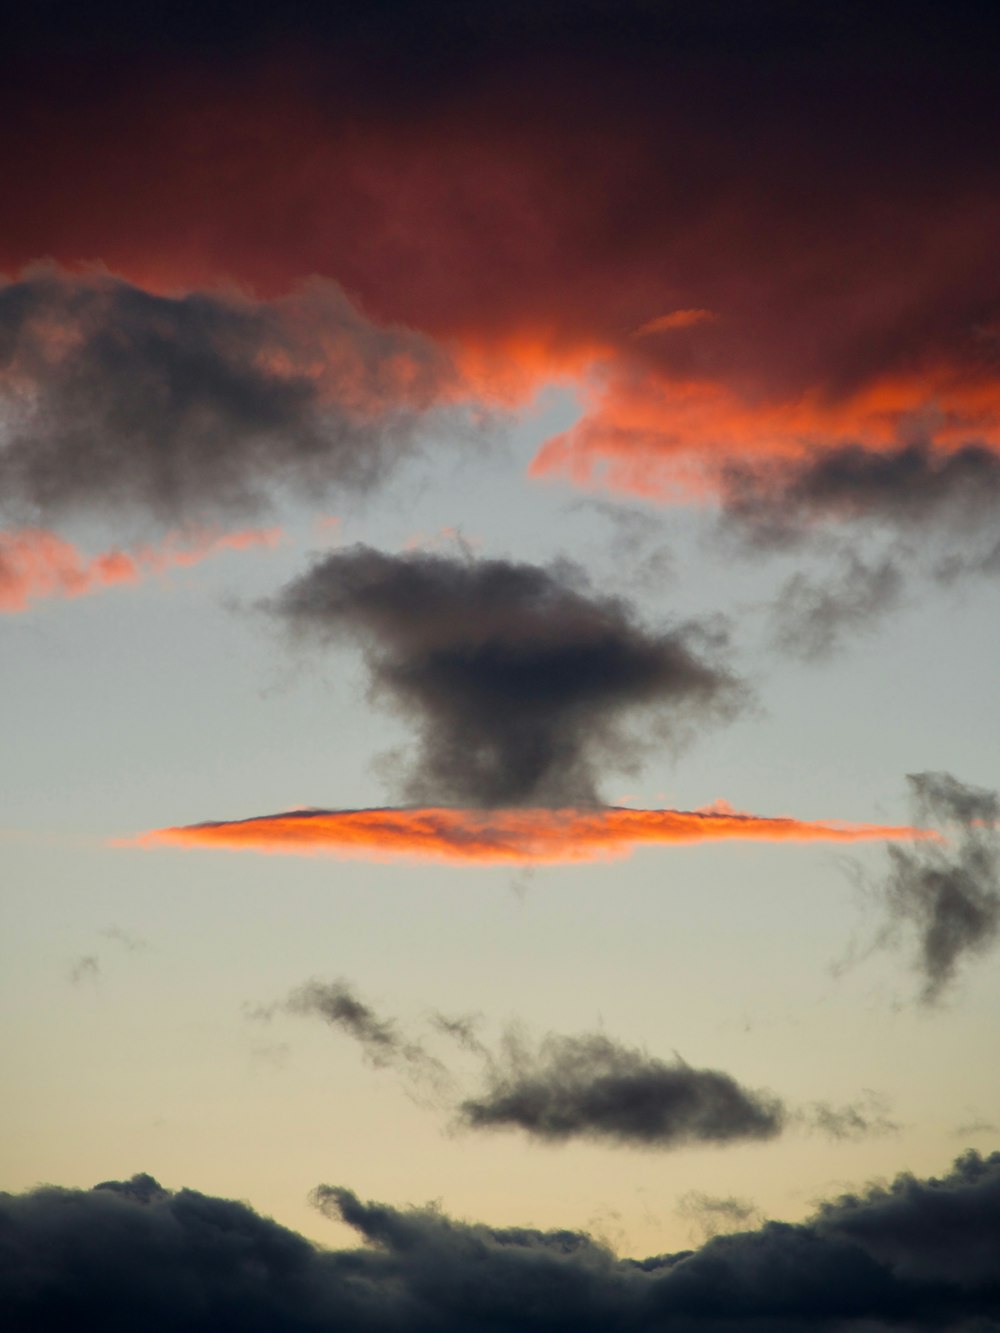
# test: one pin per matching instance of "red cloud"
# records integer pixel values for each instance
(499, 837)
(35, 563)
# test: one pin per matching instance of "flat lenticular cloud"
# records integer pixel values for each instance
(524, 685)
(189, 406)
(500, 837)
(918, 1254)
(592, 1087)
(36, 564)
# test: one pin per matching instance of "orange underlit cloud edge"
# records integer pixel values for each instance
(500, 837)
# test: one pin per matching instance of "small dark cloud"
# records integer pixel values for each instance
(811, 617)
(187, 407)
(86, 968)
(587, 1086)
(917, 1254)
(592, 1087)
(908, 488)
(946, 894)
(338, 1004)
(525, 686)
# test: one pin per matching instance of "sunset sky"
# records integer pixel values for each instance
(500, 604)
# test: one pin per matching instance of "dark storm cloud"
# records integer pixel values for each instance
(590, 1086)
(812, 616)
(946, 894)
(914, 1255)
(186, 406)
(911, 487)
(522, 682)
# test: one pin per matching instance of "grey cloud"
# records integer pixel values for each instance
(863, 1119)
(714, 1216)
(523, 683)
(338, 1004)
(910, 487)
(946, 894)
(86, 968)
(913, 1255)
(811, 617)
(186, 407)
(587, 1086)
(590, 1086)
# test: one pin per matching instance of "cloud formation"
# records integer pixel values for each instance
(593, 1087)
(917, 1254)
(36, 564)
(337, 1003)
(525, 686)
(909, 487)
(187, 406)
(583, 1086)
(946, 894)
(811, 617)
(500, 837)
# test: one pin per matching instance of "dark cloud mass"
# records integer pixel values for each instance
(198, 404)
(593, 1087)
(521, 680)
(946, 894)
(917, 1254)
(910, 487)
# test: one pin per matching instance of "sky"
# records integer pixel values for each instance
(499, 553)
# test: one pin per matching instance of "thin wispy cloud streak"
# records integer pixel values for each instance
(36, 564)
(916, 1254)
(338, 1004)
(501, 837)
(524, 685)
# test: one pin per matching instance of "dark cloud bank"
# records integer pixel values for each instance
(191, 406)
(918, 1254)
(584, 1087)
(524, 684)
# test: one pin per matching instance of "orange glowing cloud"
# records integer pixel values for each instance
(500, 837)
(35, 563)
(666, 439)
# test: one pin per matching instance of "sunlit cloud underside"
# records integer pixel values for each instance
(510, 836)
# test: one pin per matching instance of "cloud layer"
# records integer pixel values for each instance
(187, 406)
(500, 837)
(918, 1254)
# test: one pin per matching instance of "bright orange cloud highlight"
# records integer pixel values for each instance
(500, 837)
(35, 563)
(665, 438)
